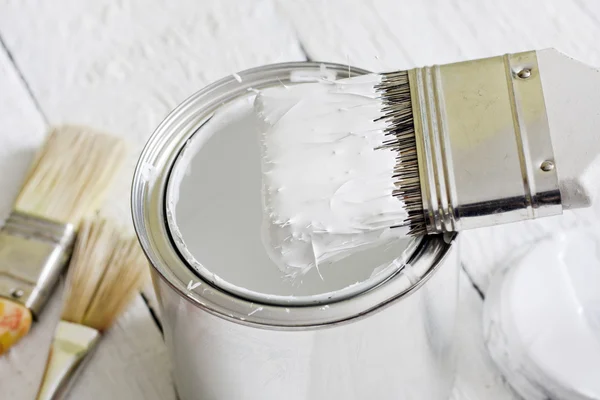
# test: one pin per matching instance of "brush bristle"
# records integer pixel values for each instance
(397, 111)
(71, 174)
(105, 273)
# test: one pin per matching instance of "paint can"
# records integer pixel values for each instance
(379, 324)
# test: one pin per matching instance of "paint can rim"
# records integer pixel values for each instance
(151, 216)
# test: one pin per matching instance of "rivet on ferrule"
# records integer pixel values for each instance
(524, 73)
(547, 166)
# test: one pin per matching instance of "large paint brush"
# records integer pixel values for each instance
(354, 163)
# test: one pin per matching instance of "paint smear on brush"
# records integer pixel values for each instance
(327, 187)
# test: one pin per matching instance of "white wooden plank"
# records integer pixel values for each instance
(405, 33)
(22, 367)
(477, 377)
(22, 130)
(129, 363)
(435, 32)
(347, 32)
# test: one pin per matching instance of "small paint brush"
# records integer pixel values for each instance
(105, 274)
(67, 181)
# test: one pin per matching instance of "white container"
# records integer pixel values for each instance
(378, 325)
(541, 318)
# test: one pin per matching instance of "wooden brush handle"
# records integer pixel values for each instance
(15, 322)
(70, 348)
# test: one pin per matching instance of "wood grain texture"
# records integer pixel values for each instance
(22, 367)
(22, 130)
(122, 65)
(129, 363)
(477, 377)
(392, 34)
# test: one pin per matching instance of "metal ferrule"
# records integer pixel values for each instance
(33, 253)
(483, 143)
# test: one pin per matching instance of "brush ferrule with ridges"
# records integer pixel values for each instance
(33, 252)
(483, 141)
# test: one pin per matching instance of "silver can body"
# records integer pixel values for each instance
(392, 340)
(403, 351)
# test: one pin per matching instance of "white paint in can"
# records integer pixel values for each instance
(215, 200)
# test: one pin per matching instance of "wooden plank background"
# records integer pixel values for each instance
(122, 65)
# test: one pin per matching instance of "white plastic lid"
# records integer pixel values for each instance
(542, 319)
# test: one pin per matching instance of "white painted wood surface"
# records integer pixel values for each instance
(121, 65)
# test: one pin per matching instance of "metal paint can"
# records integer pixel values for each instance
(389, 335)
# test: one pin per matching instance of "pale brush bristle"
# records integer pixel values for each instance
(106, 271)
(71, 174)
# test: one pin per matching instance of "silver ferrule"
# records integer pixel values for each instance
(33, 253)
(483, 143)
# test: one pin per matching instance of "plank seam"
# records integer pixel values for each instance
(152, 313)
(23, 80)
(472, 281)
